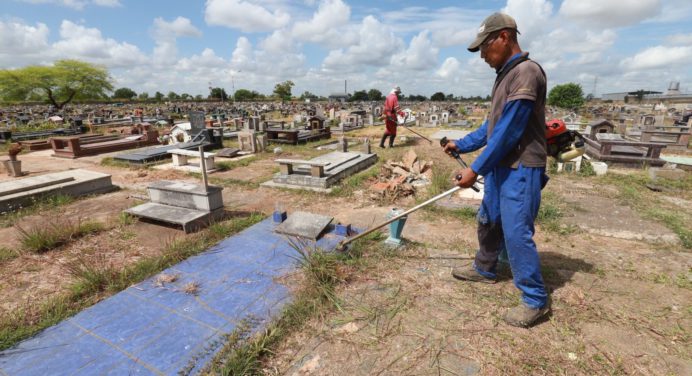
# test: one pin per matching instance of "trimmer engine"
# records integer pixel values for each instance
(563, 144)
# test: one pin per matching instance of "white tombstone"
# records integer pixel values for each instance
(445, 117)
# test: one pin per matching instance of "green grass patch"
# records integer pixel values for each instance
(96, 278)
(229, 182)
(55, 232)
(550, 214)
(674, 221)
(126, 219)
(229, 165)
(441, 181)
(7, 254)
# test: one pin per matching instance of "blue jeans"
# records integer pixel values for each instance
(506, 220)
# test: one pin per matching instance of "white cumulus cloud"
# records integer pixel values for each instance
(610, 14)
(247, 16)
(449, 68)
(79, 42)
(420, 54)
(323, 26)
(179, 27)
(19, 38)
(659, 57)
(376, 45)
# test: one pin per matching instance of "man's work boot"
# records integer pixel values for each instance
(524, 316)
(469, 273)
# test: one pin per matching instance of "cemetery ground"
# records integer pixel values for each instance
(615, 255)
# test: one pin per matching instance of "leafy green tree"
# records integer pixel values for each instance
(159, 96)
(449, 97)
(569, 96)
(375, 95)
(199, 97)
(58, 84)
(172, 95)
(417, 98)
(124, 93)
(439, 96)
(283, 90)
(218, 93)
(361, 95)
(143, 95)
(242, 95)
(185, 96)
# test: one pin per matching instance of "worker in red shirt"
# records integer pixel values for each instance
(391, 110)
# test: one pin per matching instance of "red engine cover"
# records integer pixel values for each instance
(554, 128)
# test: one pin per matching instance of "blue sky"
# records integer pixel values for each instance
(183, 45)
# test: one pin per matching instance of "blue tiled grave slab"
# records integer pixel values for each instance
(157, 327)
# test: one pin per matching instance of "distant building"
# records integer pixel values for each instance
(338, 97)
(614, 96)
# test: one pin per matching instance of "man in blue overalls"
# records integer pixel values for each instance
(513, 165)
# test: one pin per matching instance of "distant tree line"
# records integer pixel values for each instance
(68, 80)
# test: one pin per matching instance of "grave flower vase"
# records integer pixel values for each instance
(13, 168)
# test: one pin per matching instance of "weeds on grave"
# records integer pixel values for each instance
(26, 321)
(126, 219)
(96, 276)
(229, 165)
(47, 235)
(37, 205)
(550, 214)
(230, 182)
(633, 192)
(322, 270)
(586, 169)
(111, 162)
(92, 273)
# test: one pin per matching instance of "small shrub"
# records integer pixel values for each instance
(92, 274)
(7, 254)
(586, 169)
(441, 181)
(126, 219)
(53, 233)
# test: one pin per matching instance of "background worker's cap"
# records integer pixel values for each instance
(494, 22)
(397, 89)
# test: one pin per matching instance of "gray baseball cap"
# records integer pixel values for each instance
(494, 22)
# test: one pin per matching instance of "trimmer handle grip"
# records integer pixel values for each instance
(443, 142)
(474, 187)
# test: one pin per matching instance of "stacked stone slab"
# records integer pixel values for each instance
(320, 173)
(180, 203)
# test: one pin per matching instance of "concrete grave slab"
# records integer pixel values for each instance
(332, 168)
(450, 134)
(17, 193)
(304, 225)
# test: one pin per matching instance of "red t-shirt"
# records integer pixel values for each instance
(391, 106)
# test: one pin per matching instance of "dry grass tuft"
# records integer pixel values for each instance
(191, 288)
(164, 278)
